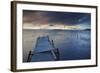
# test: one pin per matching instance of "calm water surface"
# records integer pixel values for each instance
(72, 44)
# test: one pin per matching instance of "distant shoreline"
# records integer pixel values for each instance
(59, 29)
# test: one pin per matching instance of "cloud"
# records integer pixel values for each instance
(48, 19)
(34, 17)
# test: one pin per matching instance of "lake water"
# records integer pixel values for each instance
(72, 44)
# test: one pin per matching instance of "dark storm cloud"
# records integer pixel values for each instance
(68, 18)
(34, 17)
(63, 18)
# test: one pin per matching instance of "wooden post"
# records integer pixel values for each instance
(29, 56)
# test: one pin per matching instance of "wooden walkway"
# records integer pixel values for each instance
(44, 51)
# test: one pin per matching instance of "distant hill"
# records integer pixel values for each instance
(87, 29)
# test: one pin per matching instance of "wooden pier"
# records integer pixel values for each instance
(44, 50)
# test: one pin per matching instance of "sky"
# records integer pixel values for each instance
(56, 20)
